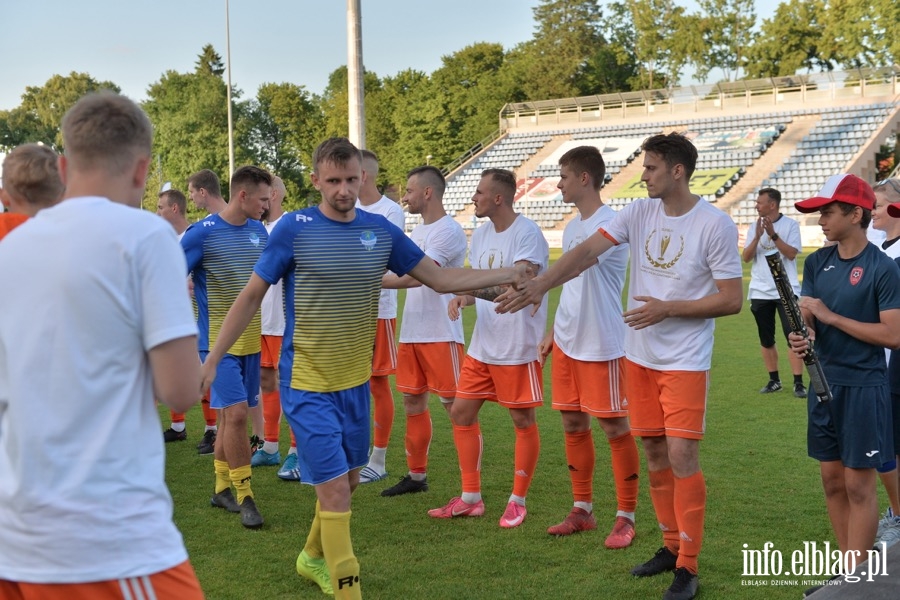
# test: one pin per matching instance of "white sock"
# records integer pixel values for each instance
(471, 497)
(517, 499)
(376, 459)
(179, 427)
(212, 428)
(627, 515)
(270, 447)
(293, 450)
(417, 476)
(587, 507)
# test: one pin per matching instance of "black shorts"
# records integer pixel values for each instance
(764, 313)
(854, 428)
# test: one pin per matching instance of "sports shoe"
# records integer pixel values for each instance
(661, 562)
(208, 444)
(799, 390)
(891, 534)
(684, 587)
(255, 443)
(886, 521)
(772, 386)
(513, 515)
(316, 570)
(406, 485)
(370, 475)
(290, 470)
(261, 458)
(225, 499)
(621, 535)
(577, 520)
(170, 435)
(250, 517)
(457, 508)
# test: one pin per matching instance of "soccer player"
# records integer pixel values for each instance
(502, 364)
(849, 300)
(772, 232)
(431, 344)
(93, 287)
(385, 360)
(588, 369)
(685, 271)
(30, 183)
(221, 251)
(332, 258)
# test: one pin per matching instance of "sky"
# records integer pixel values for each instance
(298, 41)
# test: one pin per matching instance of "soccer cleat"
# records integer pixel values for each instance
(621, 535)
(316, 570)
(261, 458)
(577, 520)
(208, 444)
(170, 435)
(684, 587)
(250, 517)
(513, 515)
(799, 390)
(370, 475)
(225, 499)
(406, 485)
(290, 470)
(457, 508)
(661, 562)
(772, 386)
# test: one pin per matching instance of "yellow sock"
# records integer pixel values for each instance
(342, 564)
(223, 479)
(313, 547)
(240, 477)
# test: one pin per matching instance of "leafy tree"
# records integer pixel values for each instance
(863, 32)
(209, 62)
(792, 40)
(38, 118)
(727, 30)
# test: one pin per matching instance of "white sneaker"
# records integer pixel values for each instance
(370, 475)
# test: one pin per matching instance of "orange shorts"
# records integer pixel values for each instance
(511, 386)
(177, 582)
(429, 367)
(384, 362)
(271, 351)
(593, 387)
(669, 403)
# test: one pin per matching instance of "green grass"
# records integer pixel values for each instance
(761, 487)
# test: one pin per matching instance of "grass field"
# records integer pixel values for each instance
(761, 488)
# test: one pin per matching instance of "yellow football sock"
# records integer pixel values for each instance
(240, 477)
(342, 564)
(223, 479)
(313, 547)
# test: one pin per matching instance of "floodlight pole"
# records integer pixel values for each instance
(228, 93)
(356, 91)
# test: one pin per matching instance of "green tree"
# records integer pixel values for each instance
(38, 118)
(727, 29)
(664, 40)
(792, 40)
(209, 62)
(863, 32)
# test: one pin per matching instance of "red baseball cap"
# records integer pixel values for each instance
(840, 188)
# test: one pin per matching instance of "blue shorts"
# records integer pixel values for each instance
(332, 430)
(854, 427)
(895, 418)
(237, 380)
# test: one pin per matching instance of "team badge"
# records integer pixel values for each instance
(663, 255)
(368, 240)
(856, 274)
(254, 239)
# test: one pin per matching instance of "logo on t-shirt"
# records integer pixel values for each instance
(254, 238)
(664, 254)
(368, 240)
(856, 274)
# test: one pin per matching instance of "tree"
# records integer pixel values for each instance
(792, 40)
(209, 62)
(863, 32)
(664, 40)
(727, 30)
(39, 116)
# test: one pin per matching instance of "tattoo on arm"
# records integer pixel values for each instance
(488, 293)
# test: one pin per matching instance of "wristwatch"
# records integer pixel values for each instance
(774, 237)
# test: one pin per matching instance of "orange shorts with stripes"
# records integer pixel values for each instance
(510, 386)
(384, 362)
(271, 351)
(178, 582)
(593, 387)
(671, 403)
(429, 367)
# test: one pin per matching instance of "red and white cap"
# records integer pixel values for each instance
(840, 188)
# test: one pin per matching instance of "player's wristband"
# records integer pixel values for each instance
(774, 237)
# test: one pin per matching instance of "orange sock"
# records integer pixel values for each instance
(383, 399)
(662, 494)
(468, 442)
(293, 439)
(209, 413)
(418, 439)
(176, 417)
(581, 458)
(625, 467)
(690, 509)
(271, 415)
(528, 448)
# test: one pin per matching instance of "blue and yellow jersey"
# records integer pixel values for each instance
(332, 273)
(220, 259)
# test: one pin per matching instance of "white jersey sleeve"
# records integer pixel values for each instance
(387, 208)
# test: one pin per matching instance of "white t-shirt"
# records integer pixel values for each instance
(762, 285)
(508, 339)
(390, 210)
(589, 324)
(675, 258)
(272, 307)
(425, 311)
(90, 287)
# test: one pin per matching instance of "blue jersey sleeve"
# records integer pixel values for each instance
(192, 244)
(277, 258)
(405, 255)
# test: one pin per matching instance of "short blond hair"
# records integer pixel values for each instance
(31, 175)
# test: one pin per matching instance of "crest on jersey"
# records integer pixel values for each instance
(254, 238)
(856, 274)
(368, 240)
